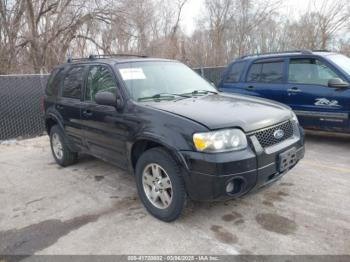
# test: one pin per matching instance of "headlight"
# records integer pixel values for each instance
(294, 117)
(220, 141)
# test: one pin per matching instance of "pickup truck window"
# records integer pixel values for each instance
(99, 79)
(309, 71)
(269, 72)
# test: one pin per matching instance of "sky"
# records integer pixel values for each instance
(193, 8)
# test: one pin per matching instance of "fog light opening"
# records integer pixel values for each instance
(235, 186)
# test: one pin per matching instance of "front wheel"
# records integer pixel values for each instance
(160, 184)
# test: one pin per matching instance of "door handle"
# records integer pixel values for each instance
(250, 87)
(294, 90)
(87, 112)
(59, 107)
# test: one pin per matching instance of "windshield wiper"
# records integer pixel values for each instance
(163, 96)
(201, 92)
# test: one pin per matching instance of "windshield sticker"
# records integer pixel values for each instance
(132, 73)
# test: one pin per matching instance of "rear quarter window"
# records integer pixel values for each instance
(54, 82)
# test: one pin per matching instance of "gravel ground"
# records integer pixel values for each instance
(92, 208)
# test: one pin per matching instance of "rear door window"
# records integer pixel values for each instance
(254, 73)
(73, 82)
(268, 72)
(272, 72)
(235, 72)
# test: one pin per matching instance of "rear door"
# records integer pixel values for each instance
(105, 132)
(316, 104)
(264, 78)
(69, 103)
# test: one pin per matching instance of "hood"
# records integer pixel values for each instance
(222, 110)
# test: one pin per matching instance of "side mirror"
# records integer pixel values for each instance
(337, 83)
(106, 99)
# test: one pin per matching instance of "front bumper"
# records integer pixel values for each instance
(253, 168)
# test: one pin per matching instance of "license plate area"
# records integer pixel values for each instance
(287, 159)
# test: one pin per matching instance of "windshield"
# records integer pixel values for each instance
(342, 61)
(156, 80)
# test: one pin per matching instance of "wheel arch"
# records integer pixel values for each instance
(50, 121)
(143, 144)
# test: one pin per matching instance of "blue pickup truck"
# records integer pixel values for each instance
(315, 84)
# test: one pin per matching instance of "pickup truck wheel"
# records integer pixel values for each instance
(160, 184)
(60, 151)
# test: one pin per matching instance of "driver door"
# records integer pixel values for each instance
(315, 103)
(105, 133)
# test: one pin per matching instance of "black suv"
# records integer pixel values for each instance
(172, 129)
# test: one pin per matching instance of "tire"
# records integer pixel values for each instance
(160, 207)
(66, 157)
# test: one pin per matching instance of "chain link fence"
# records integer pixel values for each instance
(20, 105)
(212, 74)
(20, 102)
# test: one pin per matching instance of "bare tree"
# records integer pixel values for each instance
(332, 17)
(48, 33)
(218, 16)
(11, 14)
(35, 35)
(249, 17)
(167, 39)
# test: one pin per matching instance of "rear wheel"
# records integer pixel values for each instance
(60, 151)
(160, 184)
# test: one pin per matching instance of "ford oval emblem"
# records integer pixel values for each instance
(278, 134)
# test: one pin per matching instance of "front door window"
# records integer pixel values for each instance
(309, 71)
(99, 79)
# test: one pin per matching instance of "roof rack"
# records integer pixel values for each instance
(116, 55)
(320, 50)
(70, 59)
(92, 57)
(302, 51)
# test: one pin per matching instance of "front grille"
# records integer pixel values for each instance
(266, 136)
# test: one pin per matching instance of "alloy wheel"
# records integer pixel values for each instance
(57, 146)
(157, 186)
